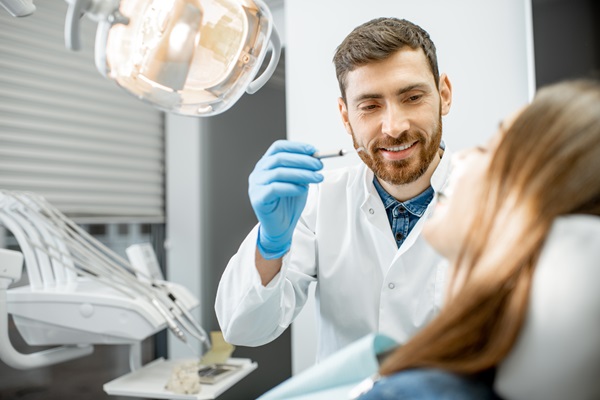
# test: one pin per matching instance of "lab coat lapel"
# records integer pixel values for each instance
(373, 210)
(438, 180)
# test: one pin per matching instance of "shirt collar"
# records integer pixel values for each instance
(416, 206)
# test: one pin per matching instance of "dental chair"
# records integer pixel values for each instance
(555, 357)
(557, 353)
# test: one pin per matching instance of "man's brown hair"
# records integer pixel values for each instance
(377, 40)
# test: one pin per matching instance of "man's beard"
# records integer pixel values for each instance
(402, 172)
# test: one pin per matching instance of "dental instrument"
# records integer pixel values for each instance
(329, 154)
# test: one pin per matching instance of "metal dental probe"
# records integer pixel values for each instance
(328, 154)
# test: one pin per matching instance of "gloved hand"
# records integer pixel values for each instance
(278, 188)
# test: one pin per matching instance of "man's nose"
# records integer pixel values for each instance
(395, 121)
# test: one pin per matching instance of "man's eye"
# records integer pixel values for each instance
(414, 98)
(368, 107)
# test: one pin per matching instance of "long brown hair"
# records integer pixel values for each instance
(545, 166)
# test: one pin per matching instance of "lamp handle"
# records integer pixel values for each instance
(74, 12)
(275, 47)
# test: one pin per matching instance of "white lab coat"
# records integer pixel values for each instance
(344, 242)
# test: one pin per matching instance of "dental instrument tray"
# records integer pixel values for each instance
(149, 381)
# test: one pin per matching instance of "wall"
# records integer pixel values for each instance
(484, 47)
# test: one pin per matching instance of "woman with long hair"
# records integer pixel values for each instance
(516, 207)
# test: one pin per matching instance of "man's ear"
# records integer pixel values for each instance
(445, 93)
(344, 114)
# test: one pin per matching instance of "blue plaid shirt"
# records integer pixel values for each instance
(403, 216)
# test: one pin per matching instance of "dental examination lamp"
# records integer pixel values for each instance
(188, 57)
(80, 293)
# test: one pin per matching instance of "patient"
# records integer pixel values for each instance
(522, 234)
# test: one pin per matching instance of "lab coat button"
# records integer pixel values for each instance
(391, 285)
(371, 211)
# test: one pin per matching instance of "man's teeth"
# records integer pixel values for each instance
(398, 148)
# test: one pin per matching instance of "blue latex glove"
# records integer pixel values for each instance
(278, 188)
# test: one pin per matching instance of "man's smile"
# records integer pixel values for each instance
(395, 153)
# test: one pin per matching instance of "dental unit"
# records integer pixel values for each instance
(80, 293)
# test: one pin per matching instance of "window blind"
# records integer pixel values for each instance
(69, 134)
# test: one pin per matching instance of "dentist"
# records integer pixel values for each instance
(354, 231)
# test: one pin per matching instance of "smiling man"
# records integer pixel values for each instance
(354, 231)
